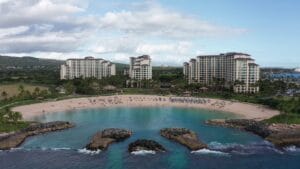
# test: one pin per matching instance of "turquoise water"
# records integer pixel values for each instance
(229, 148)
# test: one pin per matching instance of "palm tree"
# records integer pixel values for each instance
(37, 91)
(12, 116)
(21, 88)
(4, 94)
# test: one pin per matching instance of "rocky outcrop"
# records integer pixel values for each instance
(148, 145)
(16, 139)
(280, 135)
(283, 135)
(183, 136)
(253, 126)
(101, 140)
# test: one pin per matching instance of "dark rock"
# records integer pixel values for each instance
(283, 135)
(16, 139)
(101, 140)
(280, 135)
(143, 144)
(183, 136)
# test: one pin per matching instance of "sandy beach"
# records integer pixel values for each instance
(244, 110)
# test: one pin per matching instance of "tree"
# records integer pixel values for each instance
(36, 91)
(14, 116)
(21, 88)
(70, 88)
(6, 115)
(4, 94)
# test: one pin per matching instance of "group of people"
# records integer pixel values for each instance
(189, 100)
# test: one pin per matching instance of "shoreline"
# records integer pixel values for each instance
(246, 110)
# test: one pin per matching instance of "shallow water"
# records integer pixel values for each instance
(228, 148)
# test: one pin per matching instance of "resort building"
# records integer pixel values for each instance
(86, 68)
(140, 68)
(237, 70)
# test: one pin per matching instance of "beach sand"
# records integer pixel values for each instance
(244, 110)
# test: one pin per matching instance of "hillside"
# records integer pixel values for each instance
(11, 63)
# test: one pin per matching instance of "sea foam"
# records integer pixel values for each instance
(207, 151)
(143, 152)
(86, 151)
(292, 149)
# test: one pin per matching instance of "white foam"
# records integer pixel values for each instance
(15, 149)
(90, 152)
(292, 149)
(61, 148)
(143, 152)
(207, 151)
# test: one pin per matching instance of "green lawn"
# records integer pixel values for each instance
(285, 118)
(9, 126)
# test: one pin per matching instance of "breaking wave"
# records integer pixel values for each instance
(86, 151)
(292, 149)
(143, 152)
(241, 149)
(212, 152)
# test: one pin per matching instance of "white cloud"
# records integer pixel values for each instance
(115, 45)
(177, 48)
(157, 21)
(43, 25)
(12, 31)
(62, 29)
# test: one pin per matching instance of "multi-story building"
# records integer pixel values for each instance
(140, 68)
(237, 70)
(86, 68)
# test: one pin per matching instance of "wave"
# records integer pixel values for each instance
(212, 152)
(247, 149)
(292, 149)
(86, 151)
(60, 148)
(15, 149)
(143, 152)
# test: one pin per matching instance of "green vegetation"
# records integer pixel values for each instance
(9, 127)
(11, 121)
(286, 118)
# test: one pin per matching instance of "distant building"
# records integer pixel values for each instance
(126, 71)
(140, 68)
(235, 70)
(86, 68)
(297, 70)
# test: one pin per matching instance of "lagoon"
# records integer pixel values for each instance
(229, 148)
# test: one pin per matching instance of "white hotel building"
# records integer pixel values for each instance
(237, 70)
(140, 68)
(87, 68)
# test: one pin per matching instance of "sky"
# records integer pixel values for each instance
(170, 31)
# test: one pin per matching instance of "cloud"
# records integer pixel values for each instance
(171, 48)
(157, 21)
(12, 31)
(43, 25)
(115, 45)
(61, 29)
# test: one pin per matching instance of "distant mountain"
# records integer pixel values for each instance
(32, 63)
(26, 62)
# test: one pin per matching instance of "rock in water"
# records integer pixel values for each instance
(101, 140)
(148, 145)
(280, 135)
(253, 126)
(16, 139)
(283, 135)
(183, 136)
